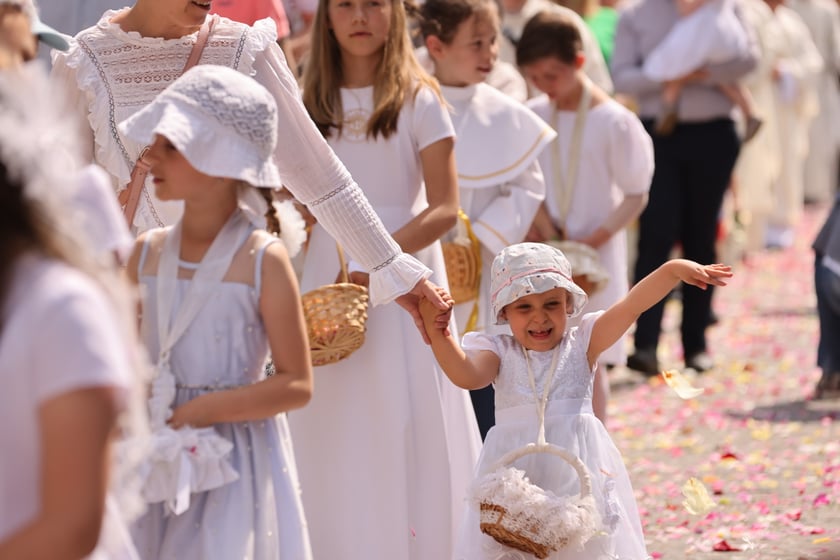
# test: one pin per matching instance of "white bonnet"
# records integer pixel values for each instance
(222, 121)
(530, 268)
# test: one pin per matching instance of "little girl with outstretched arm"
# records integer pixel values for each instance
(533, 291)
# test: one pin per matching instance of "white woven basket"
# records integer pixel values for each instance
(507, 512)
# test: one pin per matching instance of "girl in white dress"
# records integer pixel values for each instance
(598, 172)
(387, 444)
(71, 367)
(498, 140)
(546, 362)
(708, 32)
(219, 293)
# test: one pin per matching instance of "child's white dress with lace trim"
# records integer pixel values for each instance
(713, 34)
(570, 424)
(259, 516)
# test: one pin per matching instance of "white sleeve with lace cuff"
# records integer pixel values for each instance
(346, 215)
(317, 178)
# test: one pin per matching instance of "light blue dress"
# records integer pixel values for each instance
(259, 516)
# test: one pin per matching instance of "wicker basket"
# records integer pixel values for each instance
(462, 256)
(336, 315)
(526, 530)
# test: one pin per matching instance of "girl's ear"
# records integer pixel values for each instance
(580, 60)
(435, 47)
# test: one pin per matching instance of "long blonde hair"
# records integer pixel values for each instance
(398, 75)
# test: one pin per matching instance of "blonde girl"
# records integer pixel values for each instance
(219, 293)
(385, 446)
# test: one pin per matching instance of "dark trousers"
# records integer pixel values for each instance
(827, 285)
(693, 170)
(484, 406)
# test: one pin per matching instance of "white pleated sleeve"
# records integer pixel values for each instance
(317, 178)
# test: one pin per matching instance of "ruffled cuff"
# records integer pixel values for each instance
(183, 462)
(396, 278)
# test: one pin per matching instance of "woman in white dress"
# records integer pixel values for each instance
(386, 446)
(498, 140)
(117, 67)
(597, 173)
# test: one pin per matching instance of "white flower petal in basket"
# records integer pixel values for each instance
(524, 516)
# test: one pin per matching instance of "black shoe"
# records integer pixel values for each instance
(828, 386)
(644, 361)
(699, 362)
(713, 318)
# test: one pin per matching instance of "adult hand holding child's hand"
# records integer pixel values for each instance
(433, 294)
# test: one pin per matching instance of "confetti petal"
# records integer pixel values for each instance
(724, 546)
(681, 386)
(697, 499)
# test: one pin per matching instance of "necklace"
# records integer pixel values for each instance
(541, 401)
(565, 179)
(355, 121)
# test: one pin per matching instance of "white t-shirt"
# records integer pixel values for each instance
(104, 223)
(59, 334)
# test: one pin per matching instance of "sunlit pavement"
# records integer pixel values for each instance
(768, 454)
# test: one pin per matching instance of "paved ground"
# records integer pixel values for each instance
(769, 455)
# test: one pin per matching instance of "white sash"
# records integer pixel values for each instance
(564, 183)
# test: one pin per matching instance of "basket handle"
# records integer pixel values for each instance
(531, 448)
(342, 263)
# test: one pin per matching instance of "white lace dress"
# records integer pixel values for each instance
(570, 424)
(110, 74)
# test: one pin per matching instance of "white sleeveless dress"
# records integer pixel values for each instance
(570, 424)
(259, 516)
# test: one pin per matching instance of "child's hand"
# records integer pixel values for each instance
(436, 295)
(192, 413)
(433, 318)
(702, 276)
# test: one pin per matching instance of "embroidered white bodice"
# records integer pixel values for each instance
(573, 379)
(110, 74)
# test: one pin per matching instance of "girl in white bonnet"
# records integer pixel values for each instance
(219, 292)
(545, 364)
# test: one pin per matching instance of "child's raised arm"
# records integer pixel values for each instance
(648, 292)
(476, 371)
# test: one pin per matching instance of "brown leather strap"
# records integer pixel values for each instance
(129, 197)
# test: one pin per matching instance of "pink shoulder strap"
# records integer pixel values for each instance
(130, 197)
